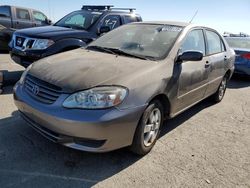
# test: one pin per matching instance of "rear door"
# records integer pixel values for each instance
(22, 18)
(5, 16)
(216, 52)
(112, 21)
(193, 75)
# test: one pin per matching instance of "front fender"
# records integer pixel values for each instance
(64, 45)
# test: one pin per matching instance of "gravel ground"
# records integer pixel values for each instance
(206, 146)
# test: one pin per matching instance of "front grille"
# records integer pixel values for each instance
(23, 43)
(41, 90)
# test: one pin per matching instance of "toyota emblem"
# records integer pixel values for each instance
(35, 90)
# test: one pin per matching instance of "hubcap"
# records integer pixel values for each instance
(222, 88)
(152, 126)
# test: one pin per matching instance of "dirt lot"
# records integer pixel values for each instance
(207, 146)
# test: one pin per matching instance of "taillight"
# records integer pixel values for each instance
(246, 56)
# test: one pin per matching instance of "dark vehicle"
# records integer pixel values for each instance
(19, 17)
(73, 31)
(118, 91)
(5, 37)
(241, 46)
(12, 18)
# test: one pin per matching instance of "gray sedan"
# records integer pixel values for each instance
(119, 89)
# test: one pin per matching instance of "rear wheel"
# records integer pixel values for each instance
(148, 129)
(219, 95)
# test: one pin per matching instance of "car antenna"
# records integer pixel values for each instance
(194, 16)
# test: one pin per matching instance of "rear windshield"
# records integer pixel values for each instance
(145, 40)
(238, 42)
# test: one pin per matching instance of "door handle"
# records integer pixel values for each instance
(207, 64)
(225, 58)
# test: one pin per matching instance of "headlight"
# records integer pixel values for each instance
(21, 81)
(41, 44)
(96, 98)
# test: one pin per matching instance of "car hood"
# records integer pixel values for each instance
(54, 33)
(82, 69)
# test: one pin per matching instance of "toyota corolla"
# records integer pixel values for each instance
(118, 90)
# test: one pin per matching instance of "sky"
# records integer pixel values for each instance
(222, 15)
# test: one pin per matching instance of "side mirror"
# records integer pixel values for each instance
(48, 21)
(191, 56)
(104, 29)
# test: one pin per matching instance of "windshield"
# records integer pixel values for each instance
(239, 42)
(141, 40)
(81, 20)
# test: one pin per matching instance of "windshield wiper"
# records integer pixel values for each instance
(121, 52)
(117, 51)
(100, 48)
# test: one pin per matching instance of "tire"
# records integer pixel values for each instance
(219, 95)
(148, 129)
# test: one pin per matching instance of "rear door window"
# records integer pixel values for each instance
(194, 42)
(22, 14)
(214, 42)
(113, 21)
(4, 11)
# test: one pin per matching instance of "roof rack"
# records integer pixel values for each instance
(96, 7)
(130, 9)
(104, 7)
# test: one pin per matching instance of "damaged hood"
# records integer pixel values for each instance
(82, 69)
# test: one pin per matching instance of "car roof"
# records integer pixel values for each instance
(20, 7)
(120, 12)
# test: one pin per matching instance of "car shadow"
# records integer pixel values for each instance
(7, 90)
(4, 52)
(24, 152)
(171, 124)
(11, 77)
(238, 81)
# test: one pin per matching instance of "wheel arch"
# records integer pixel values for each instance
(164, 100)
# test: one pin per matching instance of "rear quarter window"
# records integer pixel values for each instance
(130, 18)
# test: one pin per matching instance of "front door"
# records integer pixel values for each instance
(193, 75)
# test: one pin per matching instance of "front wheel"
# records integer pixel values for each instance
(148, 129)
(219, 95)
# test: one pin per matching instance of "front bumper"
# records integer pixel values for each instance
(25, 58)
(88, 130)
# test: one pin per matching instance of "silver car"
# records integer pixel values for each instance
(118, 90)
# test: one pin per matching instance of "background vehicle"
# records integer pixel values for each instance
(73, 31)
(241, 46)
(118, 91)
(12, 18)
(19, 17)
(5, 37)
